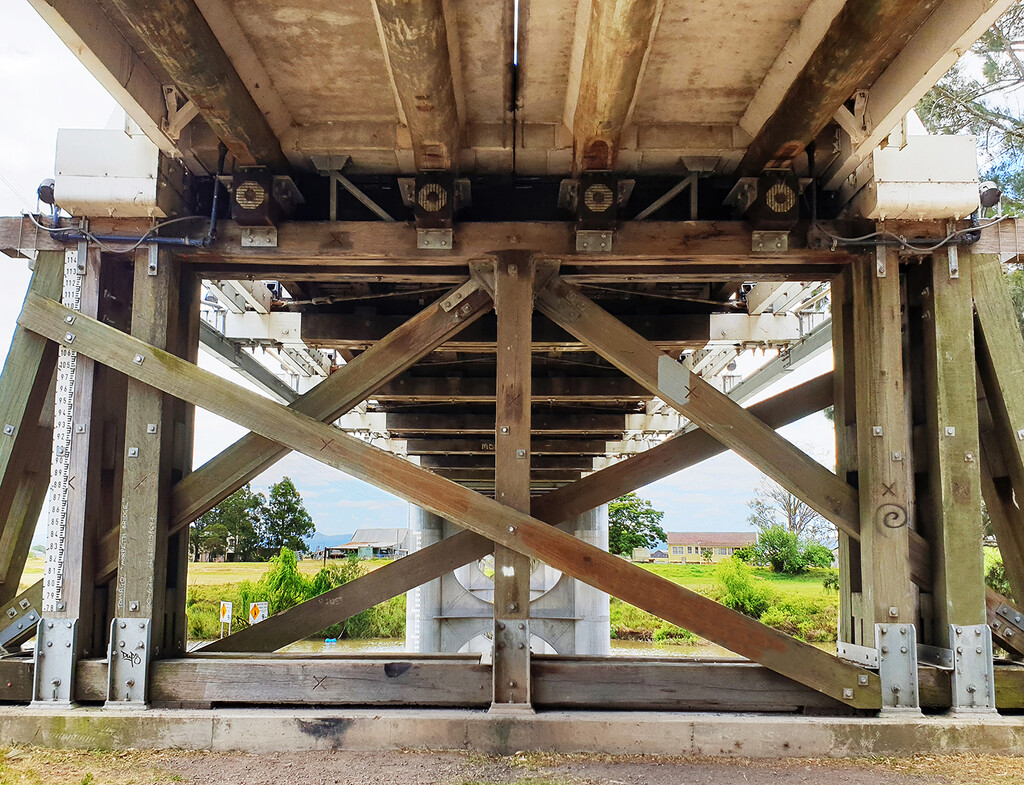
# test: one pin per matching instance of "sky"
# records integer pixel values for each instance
(53, 90)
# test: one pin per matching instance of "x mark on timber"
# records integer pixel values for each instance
(516, 530)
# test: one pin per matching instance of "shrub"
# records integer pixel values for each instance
(831, 580)
(995, 574)
(670, 633)
(788, 554)
(739, 590)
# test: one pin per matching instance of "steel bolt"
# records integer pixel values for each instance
(977, 633)
(138, 359)
(896, 689)
(978, 650)
(513, 606)
(123, 625)
(9, 430)
(903, 649)
(130, 682)
(885, 628)
(894, 613)
(49, 644)
(959, 630)
(862, 680)
(522, 645)
(847, 693)
(885, 650)
(511, 684)
(49, 625)
(876, 430)
(522, 626)
(121, 644)
(133, 605)
(950, 430)
(501, 625)
(511, 529)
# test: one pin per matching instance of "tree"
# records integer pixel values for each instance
(236, 522)
(788, 553)
(286, 523)
(773, 505)
(633, 523)
(975, 97)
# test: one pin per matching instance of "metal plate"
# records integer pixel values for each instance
(21, 629)
(673, 381)
(864, 656)
(897, 666)
(936, 656)
(434, 239)
(129, 653)
(259, 237)
(973, 679)
(769, 242)
(56, 649)
(594, 240)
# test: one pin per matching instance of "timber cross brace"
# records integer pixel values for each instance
(514, 284)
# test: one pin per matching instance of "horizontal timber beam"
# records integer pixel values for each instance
(561, 388)
(503, 525)
(465, 446)
(543, 422)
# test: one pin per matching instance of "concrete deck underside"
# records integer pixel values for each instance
(654, 733)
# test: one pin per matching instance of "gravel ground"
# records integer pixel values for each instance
(33, 766)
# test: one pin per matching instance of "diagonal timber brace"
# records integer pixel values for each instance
(556, 507)
(222, 475)
(708, 408)
(505, 526)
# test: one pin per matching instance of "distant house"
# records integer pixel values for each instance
(647, 555)
(370, 544)
(659, 555)
(692, 547)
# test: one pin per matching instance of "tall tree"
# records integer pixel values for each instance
(286, 523)
(633, 523)
(774, 506)
(233, 524)
(980, 95)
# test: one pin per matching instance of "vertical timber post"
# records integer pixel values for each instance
(513, 302)
(66, 631)
(139, 630)
(882, 443)
(951, 403)
(851, 622)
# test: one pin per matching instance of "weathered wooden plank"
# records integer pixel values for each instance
(708, 408)
(951, 404)
(416, 38)
(1000, 352)
(24, 383)
(862, 39)
(23, 510)
(180, 39)
(611, 423)
(882, 445)
(513, 303)
(543, 388)
(505, 526)
(485, 446)
(618, 37)
(221, 476)
(149, 434)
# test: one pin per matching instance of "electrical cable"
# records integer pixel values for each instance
(902, 241)
(71, 231)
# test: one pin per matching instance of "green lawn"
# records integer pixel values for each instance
(702, 576)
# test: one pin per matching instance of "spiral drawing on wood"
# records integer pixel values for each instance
(893, 516)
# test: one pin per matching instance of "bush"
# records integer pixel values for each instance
(995, 574)
(788, 554)
(739, 590)
(670, 633)
(831, 580)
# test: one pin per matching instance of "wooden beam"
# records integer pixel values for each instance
(861, 40)
(143, 557)
(708, 408)
(487, 517)
(951, 404)
(231, 469)
(513, 303)
(1004, 619)
(485, 446)
(883, 444)
(486, 461)
(180, 39)
(543, 422)
(416, 38)
(618, 38)
(24, 384)
(482, 390)
(30, 488)
(352, 331)
(1000, 352)
(714, 250)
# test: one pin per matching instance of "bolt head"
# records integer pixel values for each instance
(847, 693)
(9, 430)
(894, 613)
(862, 680)
(876, 430)
(511, 529)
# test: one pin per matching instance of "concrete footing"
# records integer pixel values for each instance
(729, 735)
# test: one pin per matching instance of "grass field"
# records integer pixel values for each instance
(798, 605)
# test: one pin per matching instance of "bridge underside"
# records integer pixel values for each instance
(445, 234)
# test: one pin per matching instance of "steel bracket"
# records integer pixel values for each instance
(511, 654)
(897, 667)
(259, 236)
(460, 294)
(55, 659)
(769, 242)
(434, 239)
(865, 656)
(973, 679)
(936, 656)
(21, 620)
(128, 657)
(594, 240)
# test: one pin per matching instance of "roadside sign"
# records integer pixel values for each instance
(258, 611)
(225, 612)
